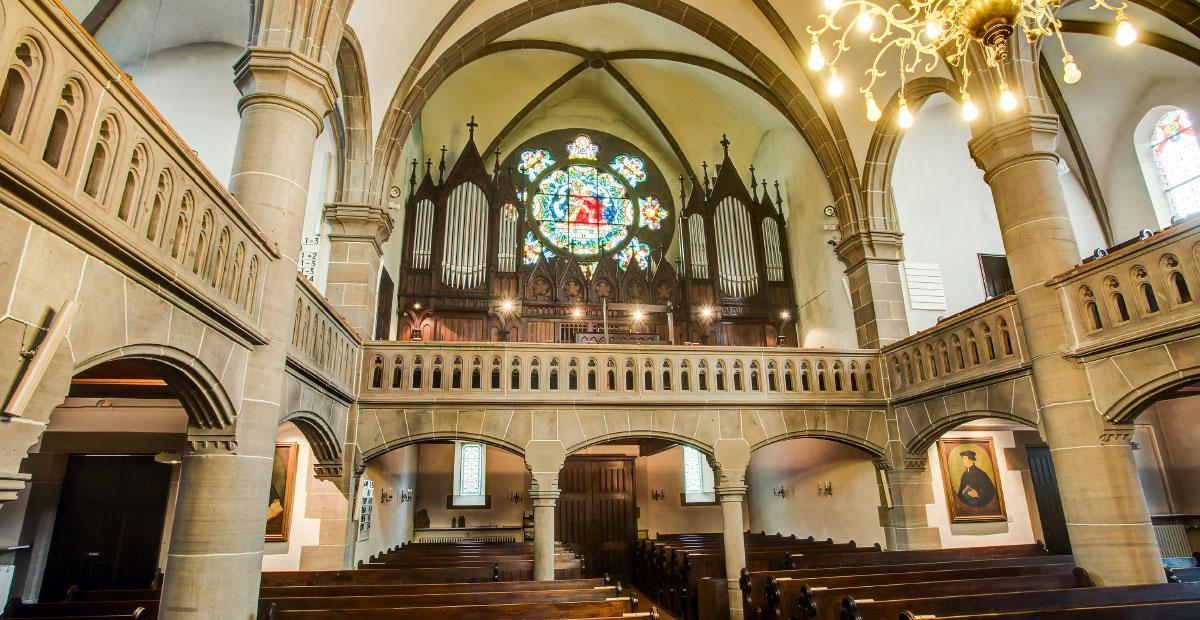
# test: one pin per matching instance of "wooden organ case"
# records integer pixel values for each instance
(480, 263)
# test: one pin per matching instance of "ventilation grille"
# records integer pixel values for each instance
(1172, 540)
(925, 290)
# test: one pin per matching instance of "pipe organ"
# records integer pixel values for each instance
(576, 241)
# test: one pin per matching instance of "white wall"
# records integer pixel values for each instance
(946, 212)
(192, 87)
(851, 513)
(505, 473)
(664, 472)
(391, 525)
(1017, 529)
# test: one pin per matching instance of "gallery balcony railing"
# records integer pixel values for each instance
(977, 344)
(481, 372)
(323, 343)
(83, 154)
(1137, 293)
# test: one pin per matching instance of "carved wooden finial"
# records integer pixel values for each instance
(428, 165)
(725, 144)
(472, 125)
(496, 170)
(705, 166)
(412, 178)
(682, 191)
(753, 184)
(442, 166)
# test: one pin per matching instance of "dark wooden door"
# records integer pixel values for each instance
(1049, 502)
(595, 513)
(108, 528)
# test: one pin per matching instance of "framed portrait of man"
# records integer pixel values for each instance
(969, 471)
(283, 483)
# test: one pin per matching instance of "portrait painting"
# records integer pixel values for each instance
(283, 482)
(972, 482)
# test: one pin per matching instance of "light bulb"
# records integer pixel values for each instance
(1007, 100)
(832, 5)
(873, 111)
(835, 82)
(970, 112)
(1126, 33)
(815, 59)
(865, 22)
(1071, 72)
(905, 119)
(933, 30)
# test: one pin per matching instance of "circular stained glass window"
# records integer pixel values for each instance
(583, 207)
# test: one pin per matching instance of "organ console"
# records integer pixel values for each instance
(579, 238)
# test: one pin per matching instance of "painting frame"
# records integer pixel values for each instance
(283, 470)
(954, 468)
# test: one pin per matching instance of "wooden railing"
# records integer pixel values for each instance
(1144, 290)
(472, 371)
(323, 343)
(84, 154)
(973, 345)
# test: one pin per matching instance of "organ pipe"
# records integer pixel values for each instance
(774, 254)
(735, 250)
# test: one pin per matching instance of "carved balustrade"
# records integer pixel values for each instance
(323, 345)
(1137, 294)
(439, 371)
(973, 346)
(83, 154)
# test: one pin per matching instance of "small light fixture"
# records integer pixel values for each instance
(1007, 100)
(865, 22)
(1071, 72)
(816, 59)
(576, 313)
(1126, 33)
(706, 312)
(417, 306)
(873, 111)
(506, 305)
(406, 495)
(515, 497)
(639, 315)
(969, 111)
(779, 491)
(835, 83)
(385, 497)
(905, 119)
(824, 487)
(785, 315)
(658, 495)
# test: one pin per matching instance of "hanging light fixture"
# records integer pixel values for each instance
(930, 30)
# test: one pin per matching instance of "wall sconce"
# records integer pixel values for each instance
(385, 497)
(778, 491)
(515, 497)
(824, 487)
(658, 495)
(406, 495)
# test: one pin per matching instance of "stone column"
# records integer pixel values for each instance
(729, 462)
(215, 557)
(906, 481)
(872, 262)
(544, 459)
(1106, 513)
(355, 252)
(543, 531)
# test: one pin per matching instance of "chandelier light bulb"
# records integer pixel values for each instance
(905, 119)
(1126, 33)
(1007, 100)
(816, 60)
(933, 30)
(873, 111)
(835, 82)
(832, 5)
(1071, 72)
(969, 111)
(865, 23)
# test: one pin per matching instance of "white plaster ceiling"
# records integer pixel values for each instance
(136, 26)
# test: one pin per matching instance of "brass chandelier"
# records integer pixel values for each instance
(925, 31)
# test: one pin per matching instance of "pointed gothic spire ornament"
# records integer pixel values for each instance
(471, 126)
(778, 199)
(442, 166)
(753, 184)
(412, 178)
(704, 165)
(725, 144)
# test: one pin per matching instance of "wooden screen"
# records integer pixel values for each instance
(596, 513)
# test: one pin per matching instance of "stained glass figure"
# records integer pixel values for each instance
(471, 474)
(534, 162)
(588, 269)
(510, 212)
(653, 213)
(1177, 156)
(632, 168)
(693, 481)
(636, 250)
(533, 248)
(583, 148)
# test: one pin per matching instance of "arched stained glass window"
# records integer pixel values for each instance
(582, 206)
(693, 481)
(1177, 158)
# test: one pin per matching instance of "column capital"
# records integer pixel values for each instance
(543, 498)
(1029, 137)
(879, 246)
(284, 78)
(359, 222)
(731, 493)
(212, 441)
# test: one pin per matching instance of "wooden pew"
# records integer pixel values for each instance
(1027, 600)
(615, 607)
(1149, 611)
(820, 597)
(362, 589)
(754, 584)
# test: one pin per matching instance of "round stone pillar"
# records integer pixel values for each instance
(543, 533)
(214, 561)
(1102, 499)
(731, 497)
